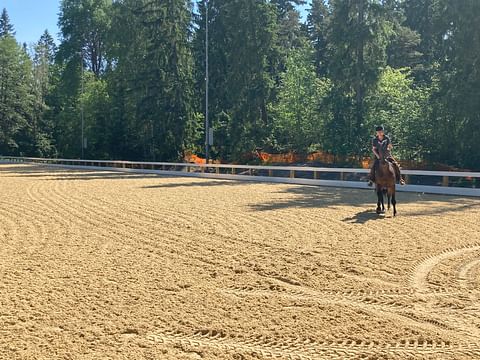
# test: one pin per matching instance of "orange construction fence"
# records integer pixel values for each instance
(325, 158)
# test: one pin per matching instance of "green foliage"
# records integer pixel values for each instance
(95, 103)
(359, 36)
(84, 26)
(457, 106)
(243, 40)
(154, 76)
(136, 70)
(301, 110)
(403, 108)
(6, 27)
(317, 29)
(16, 98)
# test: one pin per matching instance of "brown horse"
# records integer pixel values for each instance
(385, 182)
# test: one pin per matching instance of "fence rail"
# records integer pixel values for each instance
(440, 181)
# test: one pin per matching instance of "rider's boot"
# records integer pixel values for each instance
(371, 178)
(397, 173)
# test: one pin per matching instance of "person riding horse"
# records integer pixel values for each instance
(381, 146)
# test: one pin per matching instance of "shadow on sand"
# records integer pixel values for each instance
(291, 196)
(365, 200)
(363, 217)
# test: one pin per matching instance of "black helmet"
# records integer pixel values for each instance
(380, 128)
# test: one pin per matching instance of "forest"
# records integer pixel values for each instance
(280, 80)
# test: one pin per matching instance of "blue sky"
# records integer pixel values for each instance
(32, 17)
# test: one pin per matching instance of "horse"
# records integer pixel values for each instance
(385, 180)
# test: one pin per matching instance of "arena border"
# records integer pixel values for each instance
(205, 171)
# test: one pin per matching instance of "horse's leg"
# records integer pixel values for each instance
(383, 201)
(389, 198)
(379, 199)
(391, 192)
(394, 202)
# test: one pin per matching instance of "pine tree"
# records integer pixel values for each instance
(404, 48)
(15, 94)
(359, 35)
(6, 27)
(457, 105)
(242, 42)
(41, 122)
(422, 16)
(284, 6)
(317, 28)
(155, 67)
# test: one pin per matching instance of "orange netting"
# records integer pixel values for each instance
(324, 158)
(286, 158)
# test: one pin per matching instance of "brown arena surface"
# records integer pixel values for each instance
(98, 265)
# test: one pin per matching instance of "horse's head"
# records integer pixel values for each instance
(381, 153)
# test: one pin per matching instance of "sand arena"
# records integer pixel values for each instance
(99, 265)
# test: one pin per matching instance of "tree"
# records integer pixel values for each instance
(422, 16)
(15, 94)
(301, 112)
(403, 50)
(6, 28)
(404, 109)
(156, 78)
(359, 35)
(243, 36)
(284, 6)
(84, 25)
(291, 34)
(317, 28)
(41, 137)
(457, 107)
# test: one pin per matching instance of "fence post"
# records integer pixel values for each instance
(315, 175)
(233, 171)
(342, 176)
(292, 174)
(445, 181)
(270, 172)
(217, 170)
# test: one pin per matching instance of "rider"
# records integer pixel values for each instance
(383, 141)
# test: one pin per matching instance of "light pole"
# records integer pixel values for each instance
(207, 122)
(81, 106)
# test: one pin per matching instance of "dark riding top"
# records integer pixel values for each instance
(382, 145)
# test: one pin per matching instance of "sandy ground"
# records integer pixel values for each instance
(97, 265)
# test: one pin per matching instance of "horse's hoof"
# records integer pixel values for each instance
(379, 211)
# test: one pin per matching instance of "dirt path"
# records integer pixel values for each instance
(98, 265)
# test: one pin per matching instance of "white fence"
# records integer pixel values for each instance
(440, 181)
